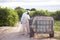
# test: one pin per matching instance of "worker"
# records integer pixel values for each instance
(25, 23)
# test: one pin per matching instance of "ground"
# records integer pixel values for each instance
(14, 33)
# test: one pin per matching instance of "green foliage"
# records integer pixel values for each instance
(53, 15)
(56, 15)
(47, 13)
(20, 11)
(8, 17)
(56, 25)
(32, 13)
(33, 9)
(27, 9)
(37, 13)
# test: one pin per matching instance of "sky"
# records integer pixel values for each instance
(50, 5)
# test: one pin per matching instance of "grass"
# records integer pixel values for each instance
(57, 25)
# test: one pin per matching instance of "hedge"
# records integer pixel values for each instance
(8, 17)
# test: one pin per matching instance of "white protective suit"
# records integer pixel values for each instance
(25, 23)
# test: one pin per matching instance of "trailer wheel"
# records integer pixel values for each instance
(31, 32)
(51, 34)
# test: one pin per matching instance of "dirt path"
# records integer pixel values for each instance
(14, 33)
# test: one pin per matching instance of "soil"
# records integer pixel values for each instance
(15, 33)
